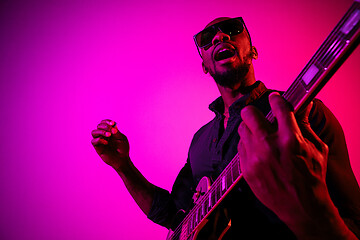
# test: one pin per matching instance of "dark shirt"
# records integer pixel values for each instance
(213, 147)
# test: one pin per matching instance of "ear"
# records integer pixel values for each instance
(204, 68)
(254, 53)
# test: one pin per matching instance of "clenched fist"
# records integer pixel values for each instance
(111, 145)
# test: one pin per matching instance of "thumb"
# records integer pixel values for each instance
(305, 127)
(302, 117)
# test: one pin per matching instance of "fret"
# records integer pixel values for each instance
(223, 184)
(203, 210)
(213, 196)
(296, 95)
(198, 215)
(352, 21)
(217, 192)
(332, 47)
(235, 169)
(204, 205)
(333, 51)
(185, 231)
(228, 178)
(210, 203)
(188, 229)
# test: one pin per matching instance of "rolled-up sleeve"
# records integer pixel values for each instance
(165, 205)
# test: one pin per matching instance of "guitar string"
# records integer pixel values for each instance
(205, 196)
(200, 204)
(334, 35)
(315, 59)
(329, 40)
(297, 82)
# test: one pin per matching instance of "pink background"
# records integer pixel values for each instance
(66, 65)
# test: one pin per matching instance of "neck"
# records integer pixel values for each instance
(230, 95)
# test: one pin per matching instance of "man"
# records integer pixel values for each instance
(284, 194)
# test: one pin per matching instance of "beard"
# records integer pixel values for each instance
(231, 77)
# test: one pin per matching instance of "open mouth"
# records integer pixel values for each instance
(224, 53)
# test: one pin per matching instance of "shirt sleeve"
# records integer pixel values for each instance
(343, 187)
(166, 205)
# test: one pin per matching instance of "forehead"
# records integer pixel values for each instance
(217, 20)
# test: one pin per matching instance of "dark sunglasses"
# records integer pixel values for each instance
(230, 27)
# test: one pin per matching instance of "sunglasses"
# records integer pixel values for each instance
(230, 27)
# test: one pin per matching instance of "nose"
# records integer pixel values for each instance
(220, 37)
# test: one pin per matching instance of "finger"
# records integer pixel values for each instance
(303, 116)
(99, 141)
(255, 121)
(303, 122)
(245, 138)
(244, 131)
(242, 154)
(307, 132)
(107, 128)
(100, 133)
(108, 125)
(287, 124)
(109, 132)
(109, 122)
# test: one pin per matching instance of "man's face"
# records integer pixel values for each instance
(229, 58)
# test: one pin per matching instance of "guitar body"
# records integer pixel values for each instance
(215, 227)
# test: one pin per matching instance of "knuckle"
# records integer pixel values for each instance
(94, 141)
(291, 141)
(103, 126)
(324, 148)
(241, 128)
(93, 133)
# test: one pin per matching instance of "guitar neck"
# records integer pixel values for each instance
(341, 42)
(336, 48)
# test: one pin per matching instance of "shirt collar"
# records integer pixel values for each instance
(258, 88)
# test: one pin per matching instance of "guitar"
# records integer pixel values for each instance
(337, 47)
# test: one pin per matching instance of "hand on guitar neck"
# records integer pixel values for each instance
(286, 170)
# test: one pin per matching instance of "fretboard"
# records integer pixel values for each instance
(341, 42)
(343, 39)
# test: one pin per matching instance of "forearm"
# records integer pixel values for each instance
(324, 222)
(353, 225)
(138, 186)
(335, 230)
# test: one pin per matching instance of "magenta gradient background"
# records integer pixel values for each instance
(66, 65)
